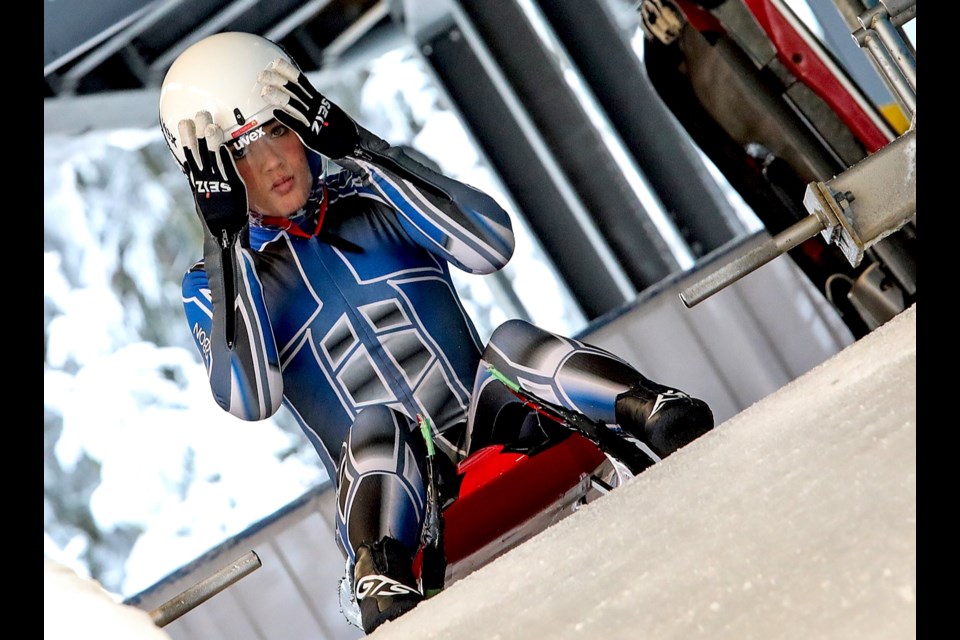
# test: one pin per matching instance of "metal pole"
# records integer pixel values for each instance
(204, 590)
(903, 18)
(752, 260)
(854, 210)
(891, 71)
(896, 7)
(894, 43)
(889, 49)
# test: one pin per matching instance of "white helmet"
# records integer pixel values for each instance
(218, 74)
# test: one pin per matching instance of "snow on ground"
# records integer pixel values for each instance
(794, 519)
(76, 608)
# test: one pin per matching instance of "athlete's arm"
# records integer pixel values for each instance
(456, 221)
(245, 375)
(222, 296)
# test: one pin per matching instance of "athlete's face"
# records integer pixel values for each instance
(275, 170)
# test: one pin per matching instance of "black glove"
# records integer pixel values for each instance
(322, 125)
(218, 189)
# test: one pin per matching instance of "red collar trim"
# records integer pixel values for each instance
(288, 225)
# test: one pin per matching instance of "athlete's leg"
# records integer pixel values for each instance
(381, 499)
(380, 488)
(579, 376)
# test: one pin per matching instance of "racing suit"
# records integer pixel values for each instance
(346, 314)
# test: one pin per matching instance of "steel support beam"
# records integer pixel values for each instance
(599, 46)
(536, 76)
(535, 184)
(514, 93)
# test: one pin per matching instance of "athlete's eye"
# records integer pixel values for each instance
(278, 131)
(239, 153)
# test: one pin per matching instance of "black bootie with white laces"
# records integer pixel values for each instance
(663, 418)
(384, 584)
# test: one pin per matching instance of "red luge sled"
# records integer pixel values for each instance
(507, 496)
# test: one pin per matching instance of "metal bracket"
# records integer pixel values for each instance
(854, 210)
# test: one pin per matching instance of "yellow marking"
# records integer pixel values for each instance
(895, 116)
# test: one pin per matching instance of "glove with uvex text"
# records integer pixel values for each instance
(322, 125)
(218, 189)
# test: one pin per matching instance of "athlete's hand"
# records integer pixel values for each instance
(322, 125)
(218, 189)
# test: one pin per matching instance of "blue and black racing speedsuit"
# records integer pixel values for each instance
(347, 315)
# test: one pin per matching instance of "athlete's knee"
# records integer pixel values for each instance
(520, 341)
(381, 440)
(511, 338)
(375, 428)
(513, 328)
(374, 420)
